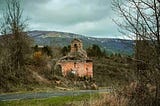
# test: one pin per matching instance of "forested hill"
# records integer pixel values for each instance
(54, 38)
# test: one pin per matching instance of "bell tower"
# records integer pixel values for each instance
(76, 45)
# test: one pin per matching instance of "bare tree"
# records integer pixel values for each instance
(141, 20)
(13, 26)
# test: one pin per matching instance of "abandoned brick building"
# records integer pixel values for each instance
(76, 61)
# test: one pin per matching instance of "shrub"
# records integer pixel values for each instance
(138, 94)
(37, 55)
(39, 59)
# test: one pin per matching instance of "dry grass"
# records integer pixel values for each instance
(110, 100)
(103, 100)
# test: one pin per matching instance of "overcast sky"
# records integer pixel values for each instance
(86, 17)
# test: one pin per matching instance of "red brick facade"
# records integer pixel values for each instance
(76, 61)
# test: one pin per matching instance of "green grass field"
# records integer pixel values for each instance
(55, 101)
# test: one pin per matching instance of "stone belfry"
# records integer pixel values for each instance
(76, 45)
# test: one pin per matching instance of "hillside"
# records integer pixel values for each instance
(54, 38)
(39, 72)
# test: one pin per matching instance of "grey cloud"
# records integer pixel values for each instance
(87, 17)
(67, 13)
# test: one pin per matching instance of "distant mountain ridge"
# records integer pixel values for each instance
(55, 38)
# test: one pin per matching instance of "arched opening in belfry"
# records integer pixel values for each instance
(76, 47)
(74, 64)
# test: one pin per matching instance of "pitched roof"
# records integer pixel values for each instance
(75, 39)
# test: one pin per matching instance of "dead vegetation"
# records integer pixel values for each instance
(16, 54)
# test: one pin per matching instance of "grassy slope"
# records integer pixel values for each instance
(108, 71)
(112, 71)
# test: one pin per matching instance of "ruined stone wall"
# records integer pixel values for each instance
(89, 69)
(77, 61)
(81, 68)
(66, 67)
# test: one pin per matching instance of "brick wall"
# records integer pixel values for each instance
(81, 68)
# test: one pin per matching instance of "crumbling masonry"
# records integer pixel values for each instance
(76, 61)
